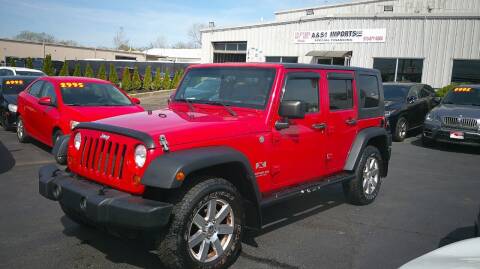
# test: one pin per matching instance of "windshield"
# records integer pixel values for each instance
(242, 87)
(463, 96)
(14, 87)
(29, 73)
(94, 94)
(395, 92)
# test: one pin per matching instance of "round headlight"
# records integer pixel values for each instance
(140, 155)
(77, 141)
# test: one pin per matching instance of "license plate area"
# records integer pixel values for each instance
(457, 135)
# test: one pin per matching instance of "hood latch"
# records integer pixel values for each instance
(164, 143)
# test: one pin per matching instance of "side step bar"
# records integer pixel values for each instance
(303, 189)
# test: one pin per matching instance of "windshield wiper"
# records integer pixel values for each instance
(233, 113)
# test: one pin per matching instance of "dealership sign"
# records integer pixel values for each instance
(341, 36)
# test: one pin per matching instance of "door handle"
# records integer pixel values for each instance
(351, 122)
(319, 126)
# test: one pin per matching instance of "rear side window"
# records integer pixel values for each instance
(35, 89)
(303, 89)
(340, 92)
(369, 91)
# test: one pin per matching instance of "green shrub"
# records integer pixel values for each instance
(147, 79)
(11, 62)
(89, 71)
(157, 81)
(443, 91)
(112, 75)
(176, 79)
(64, 71)
(102, 72)
(77, 71)
(29, 63)
(48, 66)
(136, 81)
(126, 82)
(166, 83)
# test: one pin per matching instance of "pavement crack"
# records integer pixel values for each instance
(270, 262)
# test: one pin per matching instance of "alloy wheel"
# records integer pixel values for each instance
(403, 129)
(20, 129)
(371, 175)
(211, 230)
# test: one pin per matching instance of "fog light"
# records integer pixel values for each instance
(180, 176)
(83, 204)
(56, 192)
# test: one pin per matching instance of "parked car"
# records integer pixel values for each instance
(460, 255)
(52, 106)
(456, 119)
(406, 105)
(19, 71)
(10, 87)
(193, 176)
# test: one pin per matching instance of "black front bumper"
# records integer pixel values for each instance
(100, 206)
(11, 118)
(442, 134)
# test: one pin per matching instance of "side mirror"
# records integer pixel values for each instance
(412, 99)
(135, 100)
(170, 99)
(290, 110)
(45, 101)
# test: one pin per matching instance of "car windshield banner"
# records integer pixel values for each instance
(341, 36)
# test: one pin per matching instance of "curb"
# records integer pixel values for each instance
(155, 93)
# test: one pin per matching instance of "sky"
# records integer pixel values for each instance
(94, 23)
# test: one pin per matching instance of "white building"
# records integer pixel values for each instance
(429, 41)
(177, 55)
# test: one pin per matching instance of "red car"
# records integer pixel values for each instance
(235, 139)
(52, 106)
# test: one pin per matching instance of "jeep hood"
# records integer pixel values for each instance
(189, 127)
(86, 113)
(448, 110)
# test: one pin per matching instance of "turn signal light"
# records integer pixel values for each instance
(180, 176)
(136, 180)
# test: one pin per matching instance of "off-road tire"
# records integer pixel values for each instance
(56, 135)
(398, 134)
(22, 137)
(173, 248)
(353, 189)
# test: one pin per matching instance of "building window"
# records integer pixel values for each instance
(229, 52)
(388, 8)
(230, 46)
(399, 70)
(340, 92)
(466, 71)
(369, 91)
(281, 59)
(310, 12)
(332, 61)
(121, 57)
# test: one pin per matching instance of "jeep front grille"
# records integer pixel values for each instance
(460, 123)
(102, 156)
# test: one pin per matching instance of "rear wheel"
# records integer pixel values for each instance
(206, 228)
(365, 187)
(21, 133)
(56, 136)
(401, 129)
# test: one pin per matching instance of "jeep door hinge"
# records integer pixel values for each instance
(164, 143)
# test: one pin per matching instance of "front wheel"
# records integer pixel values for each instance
(206, 228)
(21, 133)
(401, 129)
(364, 188)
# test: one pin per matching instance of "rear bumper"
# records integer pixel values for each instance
(441, 134)
(102, 207)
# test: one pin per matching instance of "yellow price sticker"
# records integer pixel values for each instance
(463, 90)
(72, 85)
(14, 82)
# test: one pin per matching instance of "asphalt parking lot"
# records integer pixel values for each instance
(430, 199)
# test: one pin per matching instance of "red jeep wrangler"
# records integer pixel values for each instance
(235, 139)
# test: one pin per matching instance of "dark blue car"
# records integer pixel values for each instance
(10, 87)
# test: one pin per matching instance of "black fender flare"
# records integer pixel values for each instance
(161, 171)
(60, 149)
(361, 141)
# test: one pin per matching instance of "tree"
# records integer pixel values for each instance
(102, 72)
(48, 66)
(34, 36)
(89, 71)
(157, 81)
(160, 42)
(176, 79)
(195, 35)
(166, 80)
(120, 40)
(136, 81)
(29, 63)
(64, 71)
(11, 62)
(77, 71)
(112, 75)
(147, 79)
(126, 82)
(182, 45)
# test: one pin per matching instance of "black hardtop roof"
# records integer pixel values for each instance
(325, 66)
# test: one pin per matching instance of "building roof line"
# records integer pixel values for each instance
(473, 16)
(329, 6)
